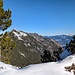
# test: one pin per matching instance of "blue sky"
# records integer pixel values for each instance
(45, 17)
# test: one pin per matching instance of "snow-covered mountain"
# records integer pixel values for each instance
(30, 47)
(51, 68)
(61, 39)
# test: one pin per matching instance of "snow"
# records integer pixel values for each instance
(19, 34)
(5, 67)
(22, 54)
(51, 68)
(22, 33)
(64, 54)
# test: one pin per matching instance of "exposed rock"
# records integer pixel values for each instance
(29, 47)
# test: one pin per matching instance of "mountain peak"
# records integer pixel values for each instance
(14, 30)
(18, 34)
(30, 47)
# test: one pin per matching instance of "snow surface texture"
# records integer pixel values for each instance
(51, 68)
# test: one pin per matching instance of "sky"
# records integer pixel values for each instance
(45, 17)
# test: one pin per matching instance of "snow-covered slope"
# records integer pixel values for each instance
(64, 54)
(52, 68)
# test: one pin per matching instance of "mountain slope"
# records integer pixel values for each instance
(51, 68)
(29, 47)
(61, 39)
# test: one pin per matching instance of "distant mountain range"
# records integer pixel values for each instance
(61, 39)
(29, 47)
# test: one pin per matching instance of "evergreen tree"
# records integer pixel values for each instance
(71, 46)
(5, 17)
(57, 53)
(47, 57)
(7, 45)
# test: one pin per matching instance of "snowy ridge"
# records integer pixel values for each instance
(51, 68)
(19, 34)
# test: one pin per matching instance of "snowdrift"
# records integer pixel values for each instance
(51, 68)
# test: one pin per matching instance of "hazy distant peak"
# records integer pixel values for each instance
(61, 39)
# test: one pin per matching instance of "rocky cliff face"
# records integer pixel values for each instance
(29, 47)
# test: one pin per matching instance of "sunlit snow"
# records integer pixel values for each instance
(19, 34)
(51, 68)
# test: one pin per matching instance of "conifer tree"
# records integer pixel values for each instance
(71, 46)
(5, 17)
(5, 40)
(7, 45)
(47, 57)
